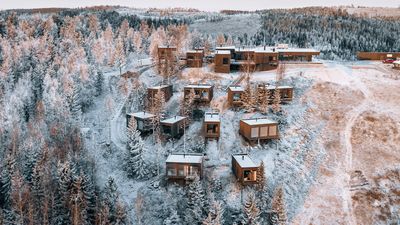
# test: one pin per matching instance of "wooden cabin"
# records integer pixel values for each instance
(258, 129)
(166, 89)
(194, 59)
(377, 55)
(165, 52)
(286, 92)
(244, 169)
(174, 127)
(396, 65)
(266, 59)
(203, 93)
(222, 61)
(212, 125)
(182, 168)
(297, 54)
(235, 96)
(144, 121)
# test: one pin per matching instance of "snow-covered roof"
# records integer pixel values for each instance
(184, 158)
(173, 120)
(211, 117)
(198, 86)
(165, 46)
(244, 161)
(225, 48)
(307, 50)
(259, 121)
(158, 87)
(195, 51)
(236, 88)
(142, 115)
(222, 52)
(271, 87)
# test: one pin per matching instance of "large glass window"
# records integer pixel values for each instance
(236, 97)
(254, 132)
(140, 125)
(204, 94)
(249, 175)
(225, 61)
(171, 171)
(212, 128)
(181, 172)
(273, 130)
(264, 131)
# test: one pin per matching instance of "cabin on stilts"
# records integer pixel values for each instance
(235, 96)
(183, 168)
(174, 127)
(211, 125)
(286, 92)
(258, 129)
(203, 93)
(166, 89)
(244, 169)
(194, 58)
(144, 121)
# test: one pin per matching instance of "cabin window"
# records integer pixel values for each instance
(140, 125)
(236, 97)
(171, 172)
(249, 175)
(204, 94)
(190, 57)
(212, 128)
(181, 172)
(191, 170)
(197, 93)
(285, 93)
(167, 129)
(271, 58)
(264, 131)
(254, 132)
(225, 61)
(273, 130)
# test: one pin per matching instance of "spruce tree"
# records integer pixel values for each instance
(216, 214)
(134, 163)
(261, 177)
(279, 216)
(173, 219)
(251, 211)
(99, 83)
(196, 202)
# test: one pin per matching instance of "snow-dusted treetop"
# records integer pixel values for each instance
(259, 121)
(185, 158)
(244, 161)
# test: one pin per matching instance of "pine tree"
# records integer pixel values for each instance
(251, 211)
(196, 202)
(99, 83)
(263, 99)
(134, 163)
(157, 108)
(261, 177)
(74, 103)
(121, 217)
(6, 176)
(276, 103)
(186, 105)
(279, 216)
(173, 219)
(216, 214)
(248, 98)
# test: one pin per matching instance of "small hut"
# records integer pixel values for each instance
(144, 121)
(396, 65)
(244, 168)
(166, 89)
(211, 125)
(184, 167)
(194, 58)
(203, 93)
(222, 61)
(258, 129)
(286, 92)
(235, 96)
(166, 52)
(174, 127)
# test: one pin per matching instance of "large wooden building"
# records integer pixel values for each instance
(212, 125)
(144, 121)
(174, 127)
(183, 167)
(194, 58)
(166, 52)
(235, 93)
(377, 55)
(222, 61)
(258, 129)
(166, 89)
(203, 93)
(244, 169)
(297, 54)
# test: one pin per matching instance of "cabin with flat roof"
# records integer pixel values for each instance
(211, 125)
(166, 52)
(174, 127)
(182, 168)
(297, 54)
(222, 61)
(144, 121)
(258, 129)
(166, 89)
(286, 92)
(235, 95)
(194, 58)
(377, 55)
(244, 169)
(203, 93)
(266, 59)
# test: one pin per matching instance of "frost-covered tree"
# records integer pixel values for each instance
(220, 40)
(261, 177)
(216, 214)
(196, 202)
(173, 219)
(251, 211)
(279, 216)
(134, 163)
